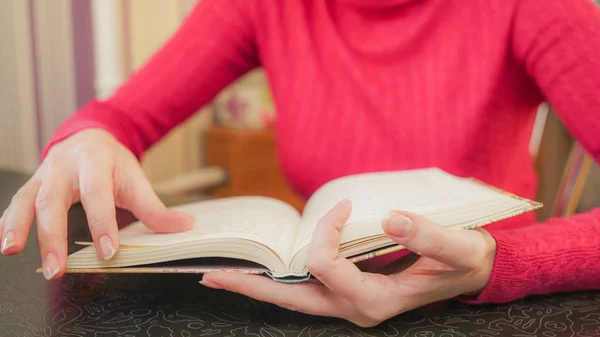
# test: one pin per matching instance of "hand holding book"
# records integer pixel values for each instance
(93, 167)
(266, 236)
(452, 263)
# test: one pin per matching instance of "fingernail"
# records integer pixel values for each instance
(398, 225)
(51, 267)
(107, 248)
(288, 307)
(189, 217)
(184, 216)
(342, 202)
(10, 239)
(210, 284)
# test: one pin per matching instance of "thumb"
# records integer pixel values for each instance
(139, 198)
(457, 248)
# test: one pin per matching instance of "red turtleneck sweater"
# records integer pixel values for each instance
(365, 85)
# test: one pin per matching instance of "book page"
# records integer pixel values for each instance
(373, 195)
(270, 222)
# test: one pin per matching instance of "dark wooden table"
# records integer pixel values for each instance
(176, 305)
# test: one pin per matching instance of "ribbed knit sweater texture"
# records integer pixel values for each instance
(364, 85)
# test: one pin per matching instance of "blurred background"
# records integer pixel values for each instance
(56, 55)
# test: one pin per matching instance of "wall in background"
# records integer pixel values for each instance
(18, 127)
(45, 74)
(38, 77)
(54, 63)
(83, 51)
(51, 66)
(150, 24)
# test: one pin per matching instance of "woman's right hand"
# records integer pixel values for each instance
(94, 168)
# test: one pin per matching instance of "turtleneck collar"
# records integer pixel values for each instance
(375, 4)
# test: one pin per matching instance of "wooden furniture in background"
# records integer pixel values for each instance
(249, 157)
(590, 198)
(563, 169)
(555, 148)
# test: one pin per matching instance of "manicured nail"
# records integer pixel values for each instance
(186, 217)
(288, 307)
(210, 284)
(398, 225)
(10, 239)
(50, 266)
(343, 202)
(107, 248)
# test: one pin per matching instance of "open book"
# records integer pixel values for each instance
(275, 237)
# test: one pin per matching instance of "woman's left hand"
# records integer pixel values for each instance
(452, 263)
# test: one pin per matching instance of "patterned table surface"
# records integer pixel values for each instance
(176, 305)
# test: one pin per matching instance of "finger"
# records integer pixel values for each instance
(336, 273)
(97, 197)
(19, 218)
(310, 298)
(2, 221)
(51, 207)
(138, 196)
(456, 248)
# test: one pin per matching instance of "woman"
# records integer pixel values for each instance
(360, 86)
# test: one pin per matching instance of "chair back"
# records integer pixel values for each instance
(563, 168)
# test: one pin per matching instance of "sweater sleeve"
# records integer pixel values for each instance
(559, 44)
(214, 45)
